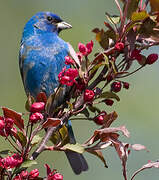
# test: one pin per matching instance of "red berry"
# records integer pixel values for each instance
(82, 48)
(89, 47)
(36, 117)
(2, 123)
(68, 60)
(109, 102)
(125, 85)
(57, 176)
(88, 95)
(116, 86)
(100, 118)
(119, 46)
(37, 107)
(24, 174)
(34, 174)
(151, 58)
(135, 53)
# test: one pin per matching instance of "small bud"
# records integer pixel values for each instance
(57, 176)
(68, 60)
(82, 48)
(34, 174)
(151, 59)
(9, 123)
(99, 120)
(24, 174)
(116, 86)
(125, 85)
(88, 95)
(89, 47)
(2, 123)
(109, 102)
(12, 161)
(67, 77)
(36, 117)
(135, 53)
(119, 46)
(37, 107)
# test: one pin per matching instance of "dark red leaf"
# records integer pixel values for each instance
(98, 154)
(51, 122)
(122, 152)
(96, 30)
(110, 118)
(17, 117)
(146, 166)
(138, 147)
(93, 139)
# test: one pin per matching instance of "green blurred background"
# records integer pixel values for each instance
(138, 108)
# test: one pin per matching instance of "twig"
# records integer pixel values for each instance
(99, 78)
(124, 18)
(47, 136)
(121, 13)
(74, 119)
(131, 72)
(145, 4)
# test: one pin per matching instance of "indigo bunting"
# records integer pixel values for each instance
(41, 59)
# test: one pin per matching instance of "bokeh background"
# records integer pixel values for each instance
(138, 108)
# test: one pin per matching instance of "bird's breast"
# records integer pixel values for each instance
(42, 64)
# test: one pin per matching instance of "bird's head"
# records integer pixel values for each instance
(48, 22)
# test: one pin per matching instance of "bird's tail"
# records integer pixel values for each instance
(76, 160)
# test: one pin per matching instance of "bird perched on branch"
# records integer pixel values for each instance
(41, 59)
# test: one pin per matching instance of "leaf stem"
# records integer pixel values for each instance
(131, 72)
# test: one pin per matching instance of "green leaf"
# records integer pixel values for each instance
(98, 154)
(49, 102)
(147, 27)
(133, 5)
(24, 165)
(85, 112)
(103, 38)
(36, 139)
(29, 102)
(70, 105)
(22, 139)
(108, 95)
(64, 135)
(5, 152)
(139, 16)
(28, 163)
(75, 147)
(94, 109)
(113, 19)
(131, 25)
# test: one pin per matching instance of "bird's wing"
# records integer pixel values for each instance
(22, 56)
(73, 54)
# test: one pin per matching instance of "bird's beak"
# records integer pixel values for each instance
(63, 25)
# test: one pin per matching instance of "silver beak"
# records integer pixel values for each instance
(63, 25)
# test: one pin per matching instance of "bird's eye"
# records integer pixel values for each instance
(49, 18)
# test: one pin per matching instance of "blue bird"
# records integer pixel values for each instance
(41, 59)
